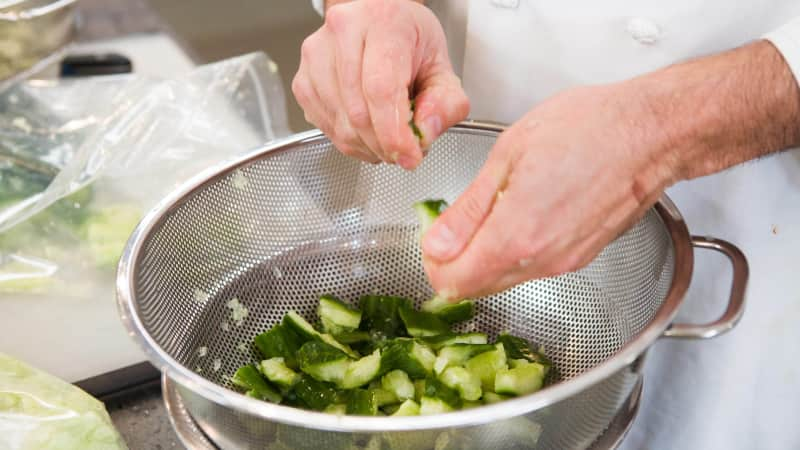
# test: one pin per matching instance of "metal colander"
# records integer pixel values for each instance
(276, 229)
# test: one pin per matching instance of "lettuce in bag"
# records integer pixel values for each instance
(39, 411)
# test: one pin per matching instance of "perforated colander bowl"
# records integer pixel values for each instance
(286, 223)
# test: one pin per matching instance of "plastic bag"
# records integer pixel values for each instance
(81, 161)
(39, 411)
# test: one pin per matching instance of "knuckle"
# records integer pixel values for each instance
(358, 114)
(308, 47)
(336, 17)
(379, 87)
(299, 88)
(345, 133)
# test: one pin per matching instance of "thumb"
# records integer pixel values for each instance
(453, 230)
(439, 104)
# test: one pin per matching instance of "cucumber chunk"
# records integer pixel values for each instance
(519, 348)
(448, 311)
(486, 364)
(336, 316)
(380, 313)
(280, 341)
(277, 372)
(520, 380)
(458, 354)
(398, 383)
(362, 371)
(323, 362)
(422, 324)
(362, 402)
(434, 388)
(407, 408)
(316, 394)
(465, 382)
(427, 213)
(247, 377)
(437, 342)
(490, 397)
(407, 355)
(432, 405)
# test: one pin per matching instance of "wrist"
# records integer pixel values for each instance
(719, 111)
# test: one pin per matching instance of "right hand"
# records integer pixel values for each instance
(359, 70)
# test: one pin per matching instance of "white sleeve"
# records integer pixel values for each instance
(319, 6)
(787, 40)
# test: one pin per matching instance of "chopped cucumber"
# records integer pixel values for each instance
(435, 388)
(490, 397)
(339, 409)
(465, 382)
(470, 404)
(281, 342)
(448, 311)
(362, 402)
(380, 313)
(487, 364)
(362, 371)
(437, 342)
(432, 405)
(383, 397)
(247, 377)
(422, 324)
(277, 372)
(407, 408)
(458, 354)
(330, 340)
(337, 317)
(398, 383)
(514, 363)
(316, 394)
(519, 348)
(520, 380)
(408, 355)
(427, 213)
(300, 326)
(323, 362)
(419, 389)
(352, 337)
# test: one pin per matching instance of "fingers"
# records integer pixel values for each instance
(457, 225)
(386, 77)
(439, 104)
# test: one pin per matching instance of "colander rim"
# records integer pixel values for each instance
(129, 315)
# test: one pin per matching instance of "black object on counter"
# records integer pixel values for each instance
(95, 64)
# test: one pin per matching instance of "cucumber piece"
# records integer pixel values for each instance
(458, 354)
(352, 337)
(465, 382)
(490, 397)
(398, 383)
(316, 394)
(407, 355)
(432, 405)
(336, 316)
(419, 389)
(422, 324)
(383, 397)
(248, 378)
(280, 341)
(300, 326)
(514, 363)
(448, 311)
(323, 362)
(520, 380)
(407, 408)
(362, 371)
(437, 342)
(427, 213)
(277, 372)
(330, 340)
(470, 404)
(487, 364)
(519, 348)
(339, 409)
(380, 313)
(362, 402)
(437, 389)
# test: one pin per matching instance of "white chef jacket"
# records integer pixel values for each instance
(737, 391)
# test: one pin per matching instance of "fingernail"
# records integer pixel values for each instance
(439, 241)
(406, 162)
(431, 128)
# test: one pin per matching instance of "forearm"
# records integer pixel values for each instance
(329, 3)
(719, 111)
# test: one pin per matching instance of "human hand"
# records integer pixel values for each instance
(557, 187)
(359, 70)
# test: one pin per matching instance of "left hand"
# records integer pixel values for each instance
(558, 186)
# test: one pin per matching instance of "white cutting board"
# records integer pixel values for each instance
(77, 337)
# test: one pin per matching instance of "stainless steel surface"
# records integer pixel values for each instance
(277, 228)
(193, 438)
(34, 34)
(735, 307)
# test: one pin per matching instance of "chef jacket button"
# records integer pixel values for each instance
(644, 31)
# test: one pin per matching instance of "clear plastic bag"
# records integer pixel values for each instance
(39, 411)
(81, 161)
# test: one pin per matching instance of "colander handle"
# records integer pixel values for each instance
(735, 307)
